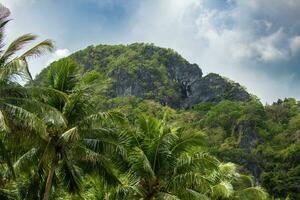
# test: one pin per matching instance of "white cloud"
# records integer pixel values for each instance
(295, 44)
(12, 4)
(267, 47)
(58, 54)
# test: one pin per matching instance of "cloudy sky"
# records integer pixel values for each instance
(253, 42)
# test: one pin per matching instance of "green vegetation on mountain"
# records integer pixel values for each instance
(138, 122)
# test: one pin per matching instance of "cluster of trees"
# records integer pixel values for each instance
(262, 140)
(54, 144)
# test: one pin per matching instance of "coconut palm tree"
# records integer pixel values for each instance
(169, 163)
(165, 163)
(230, 184)
(82, 140)
(14, 98)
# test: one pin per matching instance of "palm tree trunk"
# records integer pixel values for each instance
(49, 180)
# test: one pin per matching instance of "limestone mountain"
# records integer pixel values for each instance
(150, 72)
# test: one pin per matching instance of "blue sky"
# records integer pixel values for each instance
(253, 42)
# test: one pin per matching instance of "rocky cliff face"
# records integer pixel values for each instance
(247, 139)
(213, 88)
(150, 72)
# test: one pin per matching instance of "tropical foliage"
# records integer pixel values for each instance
(65, 136)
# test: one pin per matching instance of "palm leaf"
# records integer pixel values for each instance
(24, 118)
(16, 45)
(39, 49)
(251, 193)
(70, 175)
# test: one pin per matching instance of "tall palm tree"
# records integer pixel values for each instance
(82, 140)
(14, 98)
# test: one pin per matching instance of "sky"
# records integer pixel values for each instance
(253, 42)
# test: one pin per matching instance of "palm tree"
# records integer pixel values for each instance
(165, 163)
(168, 163)
(230, 184)
(79, 141)
(14, 98)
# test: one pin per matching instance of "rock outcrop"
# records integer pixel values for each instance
(247, 139)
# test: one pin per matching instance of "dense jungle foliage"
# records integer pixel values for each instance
(65, 136)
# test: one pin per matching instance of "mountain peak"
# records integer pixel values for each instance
(161, 74)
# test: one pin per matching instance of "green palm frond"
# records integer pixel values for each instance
(191, 180)
(228, 170)
(199, 162)
(251, 193)
(166, 196)
(193, 194)
(222, 190)
(140, 163)
(15, 46)
(99, 117)
(16, 68)
(242, 182)
(3, 124)
(63, 75)
(26, 160)
(106, 145)
(8, 194)
(185, 141)
(70, 175)
(99, 163)
(47, 113)
(23, 118)
(39, 49)
(69, 137)
(6, 157)
(37, 93)
(77, 107)
(129, 185)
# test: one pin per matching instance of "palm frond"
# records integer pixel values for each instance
(26, 160)
(191, 180)
(16, 45)
(98, 163)
(199, 162)
(17, 68)
(222, 190)
(8, 194)
(166, 196)
(102, 117)
(3, 124)
(186, 141)
(107, 141)
(69, 137)
(39, 49)
(140, 163)
(5, 155)
(193, 194)
(70, 174)
(50, 115)
(21, 117)
(251, 193)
